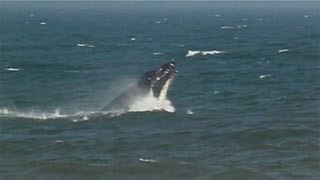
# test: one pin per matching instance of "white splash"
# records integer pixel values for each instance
(151, 103)
(283, 50)
(133, 39)
(77, 117)
(12, 69)
(193, 53)
(32, 114)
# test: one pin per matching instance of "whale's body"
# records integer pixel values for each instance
(154, 82)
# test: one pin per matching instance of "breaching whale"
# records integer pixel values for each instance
(156, 82)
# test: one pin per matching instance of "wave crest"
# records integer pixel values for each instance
(193, 53)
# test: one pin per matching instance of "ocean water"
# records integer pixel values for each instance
(244, 105)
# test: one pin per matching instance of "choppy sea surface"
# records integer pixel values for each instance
(246, 100)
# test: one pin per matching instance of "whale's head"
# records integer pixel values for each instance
(159, 80)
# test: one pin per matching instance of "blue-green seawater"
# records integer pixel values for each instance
(247, 109)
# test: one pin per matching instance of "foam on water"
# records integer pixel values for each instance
(157, 53)
(283, 50)
(32, 114)
(85, 45)
(141, 104)
(227, 27)
(151, 103)
(147, 160)
(56, 114)
(190, 112)
(12, 69)
(197, 52)
(263, 76)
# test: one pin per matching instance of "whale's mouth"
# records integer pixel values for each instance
(160, 79)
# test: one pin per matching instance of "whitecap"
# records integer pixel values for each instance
(190, 112)
(283, 50)
(211, 52)
(81, 45)
(85, 45)
(263, 76)
(133, 39)
(32, 114)
(193, 53)
(157, 53)
(12, 69)
(179, 45)
(306, 16)
(228, 27)
(59, 141)
(43, 23)
(217, 15)
(147, 160)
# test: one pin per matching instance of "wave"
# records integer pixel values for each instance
(85, 45)
(193, 53)
(147, 160)
(157, 53)
(263, 76)
(228, 27)
(190, 112)
(56, 114)
(12, 69)
(144, 104)
(283, 50)
(32, 114)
